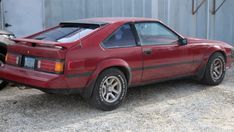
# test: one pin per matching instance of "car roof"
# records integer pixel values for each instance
(108, 20)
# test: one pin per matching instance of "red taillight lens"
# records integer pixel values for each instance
(50, 66)
(12, 59)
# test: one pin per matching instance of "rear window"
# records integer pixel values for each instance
(66, 34)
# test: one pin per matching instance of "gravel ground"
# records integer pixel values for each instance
(181, 105)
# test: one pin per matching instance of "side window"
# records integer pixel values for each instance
(155, 34)
(123, 37)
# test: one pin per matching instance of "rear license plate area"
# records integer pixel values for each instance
(29, 62)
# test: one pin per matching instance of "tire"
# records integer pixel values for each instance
(215, 70)
(2, 83)
(110, 90)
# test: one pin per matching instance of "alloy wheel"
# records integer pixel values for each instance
(111, 89)
(217, 68)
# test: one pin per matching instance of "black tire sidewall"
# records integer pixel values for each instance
(3, 83)
(208, 76)
(97, 96)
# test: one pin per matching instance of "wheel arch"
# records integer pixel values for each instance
(207, 57)
(210, 51)
(219, 51)
(204, 79)
(104, 65)
(223, 53)
(214, 49)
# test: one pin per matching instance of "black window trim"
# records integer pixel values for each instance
(165, 26)
(134, 33)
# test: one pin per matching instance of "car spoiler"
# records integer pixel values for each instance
(33, 42)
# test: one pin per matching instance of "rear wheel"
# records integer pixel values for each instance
(110, 90)
(215, 70)
(2, 83)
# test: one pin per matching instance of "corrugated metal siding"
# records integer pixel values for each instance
(181, 18)
(59, 10)
(201, 21)
(1, 16)
(223, 27)
(175, 13)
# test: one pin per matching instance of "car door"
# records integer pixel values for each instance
(163, 56)
(122, 44)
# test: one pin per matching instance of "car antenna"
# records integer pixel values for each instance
(80, 43)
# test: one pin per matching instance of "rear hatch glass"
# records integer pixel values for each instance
(67, 32)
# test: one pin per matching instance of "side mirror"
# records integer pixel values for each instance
(183, 41)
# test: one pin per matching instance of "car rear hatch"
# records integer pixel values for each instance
(37, 55)
(39, 48)
(46, 51)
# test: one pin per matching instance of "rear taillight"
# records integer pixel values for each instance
(50, 66)
(13, 59)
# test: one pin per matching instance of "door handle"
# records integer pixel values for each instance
(147, 51)
(7, 25)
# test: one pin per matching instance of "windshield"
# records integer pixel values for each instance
(65, 34)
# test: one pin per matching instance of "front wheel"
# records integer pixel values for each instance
(2, 83)
(215, 70)
(110, 90)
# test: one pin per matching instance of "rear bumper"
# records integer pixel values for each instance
(32, 78)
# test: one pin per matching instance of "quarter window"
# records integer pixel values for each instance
(155, 34)
(123, 37)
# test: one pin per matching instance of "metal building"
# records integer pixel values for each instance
(212, 19)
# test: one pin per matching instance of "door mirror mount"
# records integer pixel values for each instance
(183, 41)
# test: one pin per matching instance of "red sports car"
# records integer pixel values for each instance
(101, 57)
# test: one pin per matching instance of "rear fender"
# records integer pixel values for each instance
(106, 64)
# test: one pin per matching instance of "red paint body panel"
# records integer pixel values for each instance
(44, 52)
(33, 78)
(165, 58)
(86, 59)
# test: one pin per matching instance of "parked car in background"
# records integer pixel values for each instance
(6, 37)
(101, 57)
(5, 40)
